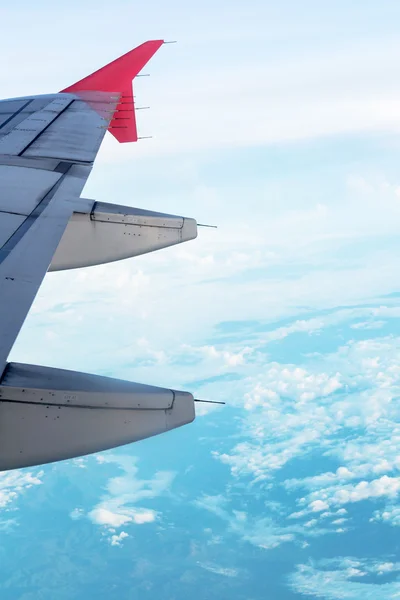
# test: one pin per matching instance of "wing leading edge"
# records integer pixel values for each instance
(47, 148)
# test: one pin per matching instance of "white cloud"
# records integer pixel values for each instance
(359, 408)
(285, 418)
(309, 326)
(343, 578)
(368, 325)
(15, 483)
(390, 515)
(311, 523)
(81, 462)
(76, 514)
(340, 494)
(387, 567)
(218, 570)
(117, 539)
(341, 476)
(102, 516)
(228, 359)
(300, 514)
(385, 486)
(240, 515)
(144, 516)
(318, 506)
(260, 532)
(121, 505)
(214, 504)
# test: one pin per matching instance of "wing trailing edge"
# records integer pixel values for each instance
(117, 77)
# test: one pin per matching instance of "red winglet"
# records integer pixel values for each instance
(117, 77)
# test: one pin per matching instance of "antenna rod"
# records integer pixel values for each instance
(209, 401)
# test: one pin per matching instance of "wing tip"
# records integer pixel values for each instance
(114, 76)
(117, 76)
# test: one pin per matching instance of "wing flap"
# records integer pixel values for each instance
(10, 109)
(9, 223)
(66, 138)
(27, 107)
(29, 129)
(23, 188)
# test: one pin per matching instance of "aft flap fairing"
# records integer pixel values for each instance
(105, 232)
(51, 414)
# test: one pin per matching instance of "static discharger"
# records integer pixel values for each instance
(130, 102)
(210, 226)
(209, 401)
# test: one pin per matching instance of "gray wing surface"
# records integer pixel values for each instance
(47, 148)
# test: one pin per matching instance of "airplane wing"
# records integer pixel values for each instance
(47, 148)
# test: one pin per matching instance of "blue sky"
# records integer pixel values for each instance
(278, 122)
